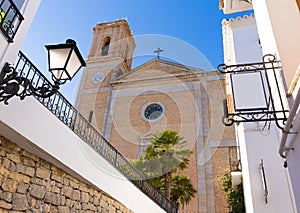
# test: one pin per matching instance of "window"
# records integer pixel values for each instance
(105, 46)
(10, 18)
(152, 111)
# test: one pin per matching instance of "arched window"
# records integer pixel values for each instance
(105, 46)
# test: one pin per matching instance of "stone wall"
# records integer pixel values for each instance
(31, 184)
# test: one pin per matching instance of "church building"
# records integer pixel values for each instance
(128, 105)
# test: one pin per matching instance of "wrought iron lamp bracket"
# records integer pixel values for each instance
(14, 84)
(268, 67)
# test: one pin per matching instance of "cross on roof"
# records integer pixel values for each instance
(158, 51)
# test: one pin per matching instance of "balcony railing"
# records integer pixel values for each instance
(10, 19)
(67, 114)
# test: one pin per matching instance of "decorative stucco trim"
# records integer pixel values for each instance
(227, 31)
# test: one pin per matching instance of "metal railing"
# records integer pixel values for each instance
(67, 114)
(10, 19)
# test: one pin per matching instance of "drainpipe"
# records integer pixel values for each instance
(288, 125)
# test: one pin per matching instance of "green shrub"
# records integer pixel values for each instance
(235, 196)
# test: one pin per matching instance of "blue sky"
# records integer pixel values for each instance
(194, 23)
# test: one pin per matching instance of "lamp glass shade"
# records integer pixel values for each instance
(64, 60)
(58, 60)
(74, 64)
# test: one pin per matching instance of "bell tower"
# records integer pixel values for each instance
(111, 41)
(110, 56)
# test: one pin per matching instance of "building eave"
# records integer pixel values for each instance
(221, 4)
(234, 6)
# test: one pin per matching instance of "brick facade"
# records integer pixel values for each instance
(192, 104)
(222, 158)
(31, 184)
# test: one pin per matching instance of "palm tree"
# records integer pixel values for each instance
(163, 158)
(182, 190)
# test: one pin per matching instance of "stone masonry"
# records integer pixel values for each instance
(32, 185)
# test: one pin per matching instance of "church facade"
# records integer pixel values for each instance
(128, 105)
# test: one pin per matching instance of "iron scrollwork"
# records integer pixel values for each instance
(13, 84)
(268, 59)
(8, 27)
(269, 68)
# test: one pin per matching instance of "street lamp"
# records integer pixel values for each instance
(64, 62)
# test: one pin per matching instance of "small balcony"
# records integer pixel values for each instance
(10, 19)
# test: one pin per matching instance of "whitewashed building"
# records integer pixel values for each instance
(269, 148)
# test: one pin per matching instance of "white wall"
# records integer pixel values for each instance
(241, 41)
(247, 38)
(39, 131)
(293, 156)
(278, 24)
(293, 160)
(257, 143)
